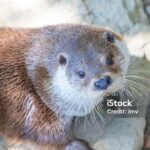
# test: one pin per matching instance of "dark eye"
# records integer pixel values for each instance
(109, 61)
(110, 37)
(81, 74)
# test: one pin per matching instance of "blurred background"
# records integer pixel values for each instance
(121, 15)
(128, 17)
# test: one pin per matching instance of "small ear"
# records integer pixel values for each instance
(62, 58)
(109, 36)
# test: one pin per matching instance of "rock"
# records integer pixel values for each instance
(148, 10)
(106, 14)
(119, 15)
(38, 13)
(135, 11)
(138, 41)
(2, 144)
(123, 134)
(147, 7)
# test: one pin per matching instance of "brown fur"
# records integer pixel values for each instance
(16, 89)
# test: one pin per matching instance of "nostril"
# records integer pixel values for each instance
(108, 79)
(102, 84)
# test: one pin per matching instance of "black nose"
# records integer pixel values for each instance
(103, 83)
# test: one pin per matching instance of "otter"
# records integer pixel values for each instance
(52, 74)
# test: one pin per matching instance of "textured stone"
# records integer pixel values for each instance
(123, 134)
(138, 40)
(119, 15)
(146, 4)
(147, 8)
(135, 10)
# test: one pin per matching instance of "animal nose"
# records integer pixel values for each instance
(103, 83)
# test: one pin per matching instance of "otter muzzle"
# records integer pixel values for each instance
(103, 83)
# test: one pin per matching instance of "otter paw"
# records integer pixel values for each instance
(78, 145)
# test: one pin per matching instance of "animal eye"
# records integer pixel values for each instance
(109, 61)
(81, 74)
(110, 37)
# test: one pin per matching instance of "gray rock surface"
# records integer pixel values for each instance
(147, 7)
(138, 40)
(120, 15)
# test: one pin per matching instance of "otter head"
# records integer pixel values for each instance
(73, 67)
(86, 73)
